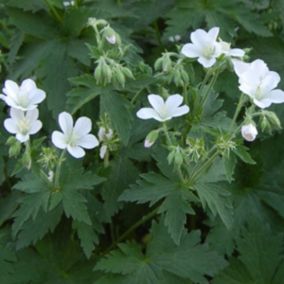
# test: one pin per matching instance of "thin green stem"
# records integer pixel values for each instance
(143, 220)
(205, 165)
(237, 111)
(54, 11)
(170, 143)
(58, 169)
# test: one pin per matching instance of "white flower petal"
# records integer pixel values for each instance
(22, 138)
(174, 101)
(213, 33)
(270, 82)
(190, 50)
(264, 103)
(148, 113)
(88, 141)
(65, 122)
(32, 115)
(58, 139)
(249, 132)
(103, 151)
(237, 52)
(11, 88)
(10, 125)
(199, 38)
(180, 111)
(37, 96)
(240, 67)
(276, 96)
(82, 126)
(17, 114)
(206, 63)
(76, 151)
(156, 101)
(28, 85)
(35, 127)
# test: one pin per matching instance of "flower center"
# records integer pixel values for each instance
(23, 100)
(163, 111)
(208, 51)
(72, 139)
(24, 126)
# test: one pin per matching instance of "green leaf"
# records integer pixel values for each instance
(129, 260)
(176, 207)
(34, 230)
(214, 194)
(35, 24)
(190, 260)
(242, 153)
(88, 237)
(118, 109)
(122, 173)
(260, 256)
(74, 204)
(29, 208)
(152, 188)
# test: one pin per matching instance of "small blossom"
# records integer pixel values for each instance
(175, 38)
(204, 46)
(111, 39)
(23, 124)
(74, 137)
(231, 52)
(103, 151)
(249, 132)
(68, 3)
(24, 97)
(259, 83)
(163, 110)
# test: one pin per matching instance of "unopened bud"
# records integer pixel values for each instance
(103, 151)
(151, 138)
(111, 39)
(249, 132)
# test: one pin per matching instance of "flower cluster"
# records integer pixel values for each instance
(24, 114)
(23, 100)
(207, 49)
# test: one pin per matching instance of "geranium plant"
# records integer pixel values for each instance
(163, 169)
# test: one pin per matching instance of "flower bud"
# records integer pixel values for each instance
(249, 132)
(111, 36)
(151, 138)
(176, 156)
(103, 151)
(15, 146)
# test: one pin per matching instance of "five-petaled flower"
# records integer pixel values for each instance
(259, 83)
(204, 46)
(24, 97)
(163, 110)
(249, 132)
(23, 124)
(74, 137)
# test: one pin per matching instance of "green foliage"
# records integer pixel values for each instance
(190, 260)
(127, 216)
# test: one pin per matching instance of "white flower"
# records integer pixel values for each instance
(259, 83)
(249, 132)
(105, 135)
(103, 151)
(68, 3)
(111, 39)
(24, 97)
(204, 46)
(74, 137)
(231, 52)
(163, 110)
(23, 124)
